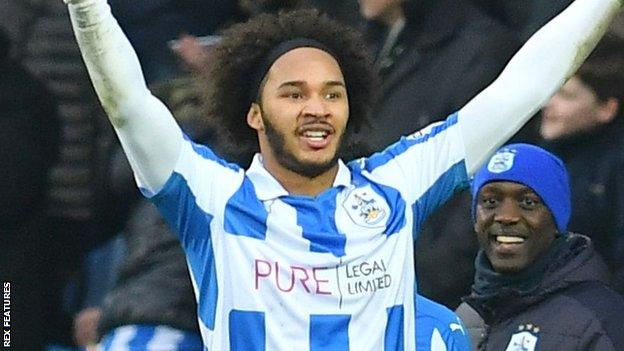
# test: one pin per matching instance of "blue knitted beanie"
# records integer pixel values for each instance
(534, 167)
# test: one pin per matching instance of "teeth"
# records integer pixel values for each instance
(315, 134)
(509, 239)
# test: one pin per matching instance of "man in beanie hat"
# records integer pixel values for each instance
(536, 285)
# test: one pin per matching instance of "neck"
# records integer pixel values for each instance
(297, 184)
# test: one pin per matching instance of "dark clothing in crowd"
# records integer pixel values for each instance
(526, 16)
(560, 302)
(29, 142)
(150, 24)
(595, 162)
(447, 52)
(75, 220)
(153, 285)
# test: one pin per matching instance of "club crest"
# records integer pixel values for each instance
(502, 161)
(366, 208)
(525, 339)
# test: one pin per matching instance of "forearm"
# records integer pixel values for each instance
(148, 133)
(533, 75)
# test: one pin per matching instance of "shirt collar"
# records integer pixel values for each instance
(268, 188)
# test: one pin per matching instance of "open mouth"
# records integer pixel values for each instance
(316, 136)
(506, 244)
(506, 239)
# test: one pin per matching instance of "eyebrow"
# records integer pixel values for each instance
(299, 83)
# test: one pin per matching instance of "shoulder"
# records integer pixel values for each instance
(427, 137)
(585, 314)
(435, 320)
(604, 306)
(427, 308)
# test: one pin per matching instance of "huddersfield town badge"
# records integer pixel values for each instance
(502, 161)
(366, 208)
(525, 339)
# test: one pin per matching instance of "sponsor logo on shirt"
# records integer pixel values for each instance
(361, 278)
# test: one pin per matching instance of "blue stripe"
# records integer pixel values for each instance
(329, 332)
(191, 342)
(450, 182)
(193, 227)
(316, 216)
(244, 214)
(178, 205)
(247, 331)
(205, 275)
(107, 341)
(403, 145)
(394, 329)
(208, 154)
(143, 335)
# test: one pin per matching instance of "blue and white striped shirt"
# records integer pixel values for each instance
(274, 271)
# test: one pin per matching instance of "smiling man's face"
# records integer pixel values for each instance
(303, 116)
(513, 225)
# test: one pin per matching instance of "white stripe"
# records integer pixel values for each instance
(437, 343)
(121, 338)
(165, 339)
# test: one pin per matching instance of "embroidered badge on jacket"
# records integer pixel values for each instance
(525, 339)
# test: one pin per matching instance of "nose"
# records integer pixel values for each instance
(316, 106)
(508, 212)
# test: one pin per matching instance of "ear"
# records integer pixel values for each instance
(254, 117)
(609, 110)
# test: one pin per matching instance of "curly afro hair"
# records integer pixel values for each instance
(244, 47)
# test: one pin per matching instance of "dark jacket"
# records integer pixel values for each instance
(447, 52)
(561, 302)
(153, 285)
(29, 143)
(151, 24)
(526, 16)
(595, 162)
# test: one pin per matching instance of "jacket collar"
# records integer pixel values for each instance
(268, 188)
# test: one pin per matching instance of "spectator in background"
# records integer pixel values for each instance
(583, 124)
(29, 145)
(433, 56)
(75, 201)
(524, 17)
(537, 285)
(151, 24)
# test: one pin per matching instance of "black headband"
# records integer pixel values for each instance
(275, 53)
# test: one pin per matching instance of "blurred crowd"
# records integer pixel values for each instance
(85, 254)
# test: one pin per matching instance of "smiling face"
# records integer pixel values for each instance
(514, 227)
(303, 113)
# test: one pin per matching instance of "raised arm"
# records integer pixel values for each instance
(148, 133)
(541, 66)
